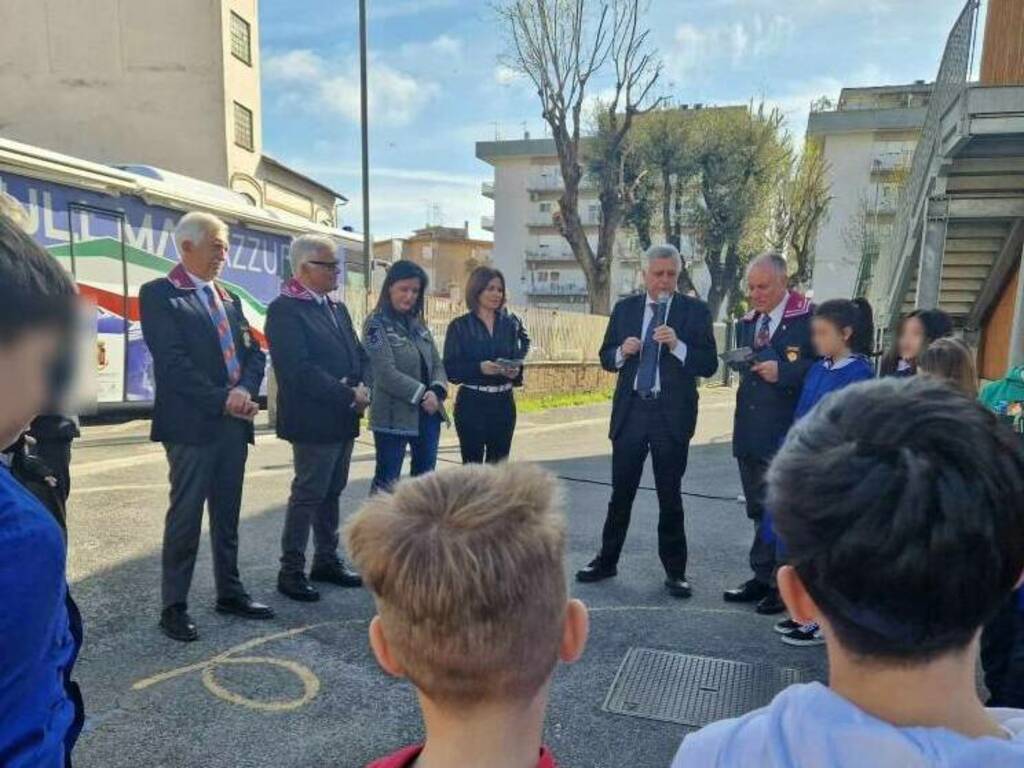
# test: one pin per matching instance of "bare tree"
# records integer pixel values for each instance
(562, 46)
(800, 204)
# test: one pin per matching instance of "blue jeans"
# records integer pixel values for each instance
(391, 453)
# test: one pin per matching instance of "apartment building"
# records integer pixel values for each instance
(174, 85)
(538, 265)
(448, 254)
(868, 139)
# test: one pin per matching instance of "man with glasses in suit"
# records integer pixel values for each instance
(320, 368)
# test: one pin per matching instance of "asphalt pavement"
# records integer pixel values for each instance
(303, 690)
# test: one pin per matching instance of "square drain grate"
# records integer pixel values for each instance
(691, 690)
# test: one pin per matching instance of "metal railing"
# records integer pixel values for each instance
(554, 336)
(888, 277)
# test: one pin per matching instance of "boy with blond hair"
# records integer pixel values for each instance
(466, 566)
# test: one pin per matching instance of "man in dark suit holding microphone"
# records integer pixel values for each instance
(659, 343)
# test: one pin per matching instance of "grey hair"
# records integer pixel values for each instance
(13, 210)
(664, 251)
(306, 247)
(771, 259)
(196, 225)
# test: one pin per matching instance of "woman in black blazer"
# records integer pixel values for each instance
(483, 351)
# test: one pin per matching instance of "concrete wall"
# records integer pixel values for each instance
(836, 263)
(511, 206)
(242, 85)
(108, 80)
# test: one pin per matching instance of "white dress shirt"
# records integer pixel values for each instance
(679, 352)
(774, 317)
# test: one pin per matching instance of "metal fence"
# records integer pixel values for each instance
(887, 278)
(554, 336)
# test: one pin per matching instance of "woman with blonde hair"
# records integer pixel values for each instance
(952, 361)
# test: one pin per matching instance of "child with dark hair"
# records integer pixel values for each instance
(842, 332)
(901, 505)
(41, 711)
(917, 331)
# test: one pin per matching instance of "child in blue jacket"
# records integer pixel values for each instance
(842, 332)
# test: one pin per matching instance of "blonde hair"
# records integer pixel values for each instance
(952, 361)
(13, 210)
(466, 568)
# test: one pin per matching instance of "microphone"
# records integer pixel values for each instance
(661, 314)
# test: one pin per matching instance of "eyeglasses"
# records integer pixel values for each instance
(333, 266)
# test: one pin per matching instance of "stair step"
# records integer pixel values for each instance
(953, 284)
(955, 297)
(973, 244)
(977, 259)
(965, 271)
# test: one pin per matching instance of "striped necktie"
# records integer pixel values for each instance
(227, 343)
(764, 333)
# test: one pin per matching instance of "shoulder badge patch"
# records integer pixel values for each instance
(375, 338)
(792, 354)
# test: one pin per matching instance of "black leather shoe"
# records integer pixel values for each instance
(178, 625)
(245, 607)
(749, 592)
(771, 604)
(595, 570)
(297, 587)
(678, 587)
(336, 573)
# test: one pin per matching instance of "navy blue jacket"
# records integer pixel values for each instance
(691, 320)
(188, 364)
(765, 412)
(317, 364)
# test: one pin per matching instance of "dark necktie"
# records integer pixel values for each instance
(764, 332)
(326, 304)
(648, 370)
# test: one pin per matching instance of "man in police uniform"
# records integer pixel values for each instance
(778, 330)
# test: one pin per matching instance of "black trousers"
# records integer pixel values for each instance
(1002, 656)
(201, 475)
(56, 454)
(646, 431)
(485, 422)
(762, 550)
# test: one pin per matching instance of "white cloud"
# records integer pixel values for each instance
(741, 43)
(395, 97)
(297, 65)
(442, 45)
(505, 75)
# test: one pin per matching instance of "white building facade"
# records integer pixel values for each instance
(539, 267)
(868, 141)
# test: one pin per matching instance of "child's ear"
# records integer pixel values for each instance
(794, 594)
(574, 631)
(381, 649)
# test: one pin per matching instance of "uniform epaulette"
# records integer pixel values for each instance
(798, 305)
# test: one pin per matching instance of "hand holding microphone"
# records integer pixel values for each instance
(664, 334)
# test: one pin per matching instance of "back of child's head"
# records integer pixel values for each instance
(854, 314)
(901, 506)
(467, 569)
(951, 361)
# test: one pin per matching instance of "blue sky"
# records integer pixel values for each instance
(437, 85)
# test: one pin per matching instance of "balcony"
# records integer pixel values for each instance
(892, 162)
(556, 289)
(487, 223)
(540, 218)
(487, 189)
(552, 181)
(551, 255)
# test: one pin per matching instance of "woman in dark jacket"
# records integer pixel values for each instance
(917, 330)
(483, 351)
(407, 377)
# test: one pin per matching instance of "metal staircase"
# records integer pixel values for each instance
(958, 229)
